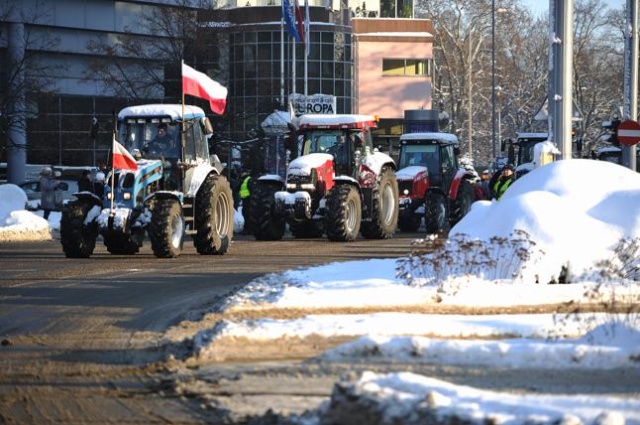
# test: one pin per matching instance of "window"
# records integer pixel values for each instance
(406, 67)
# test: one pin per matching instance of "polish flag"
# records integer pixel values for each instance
(198, 84)
(122, 159)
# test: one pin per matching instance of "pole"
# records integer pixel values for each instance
(282, 102)
(470, 122)
(631, 78)
(493, 79)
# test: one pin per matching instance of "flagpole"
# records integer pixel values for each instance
(113, 176)
(182, 124)
(293, 64)
(306, 47)
(283, 103)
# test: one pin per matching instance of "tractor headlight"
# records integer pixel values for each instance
(109, 195)
(126, 196)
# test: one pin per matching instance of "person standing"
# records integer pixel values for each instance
(245, 197)
(98, 184)
(48, 185)
(484, 183)
(84, 183)
(503, 182)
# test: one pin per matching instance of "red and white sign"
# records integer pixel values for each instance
(629, 133)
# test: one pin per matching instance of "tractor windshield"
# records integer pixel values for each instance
(421, 155)
(322, 141)
(150, 139)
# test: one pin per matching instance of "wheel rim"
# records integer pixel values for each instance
(351, 215)
(177, 230)
(388, 200)
(222, 212)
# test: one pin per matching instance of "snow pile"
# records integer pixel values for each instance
(16, 223)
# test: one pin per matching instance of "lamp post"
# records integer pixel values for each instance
(493, 79)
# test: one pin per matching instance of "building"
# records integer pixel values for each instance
(85, 59)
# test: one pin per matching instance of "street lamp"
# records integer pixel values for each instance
(493, 74)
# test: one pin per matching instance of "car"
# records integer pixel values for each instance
(33, 192)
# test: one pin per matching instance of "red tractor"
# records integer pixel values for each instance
(339, 185)
(431, 183)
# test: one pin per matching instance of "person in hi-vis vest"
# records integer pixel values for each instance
(502, 183)
(245, 197)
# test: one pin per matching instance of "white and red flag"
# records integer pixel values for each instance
(122, 159)
(198, 84)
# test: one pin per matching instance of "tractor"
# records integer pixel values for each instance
(171, 194)
(431, 183)
(339, 185)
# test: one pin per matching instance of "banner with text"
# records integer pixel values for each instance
(313, 104)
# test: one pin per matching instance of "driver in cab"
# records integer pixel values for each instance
(163, 144)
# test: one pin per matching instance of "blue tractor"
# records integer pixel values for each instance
(177, 190)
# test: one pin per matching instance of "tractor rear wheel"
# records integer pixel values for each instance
(435, 217)
(166, 229)
(343, 213)
(214, 216)
(267, 226)
(462, 204)
(77, 237)
(384, 215)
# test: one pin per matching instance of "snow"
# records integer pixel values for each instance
(568, 216)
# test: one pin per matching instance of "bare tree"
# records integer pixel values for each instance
(463, 52)
(22, 74)
(141, 63)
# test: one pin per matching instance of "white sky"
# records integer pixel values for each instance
(574, 210)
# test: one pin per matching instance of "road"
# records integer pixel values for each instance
(83, 340)
(106, 340)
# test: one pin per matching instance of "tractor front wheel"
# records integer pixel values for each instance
(166, 230)
(77, 236)
(435, 217)
(384, 214)
(214, 216)
(267, 226)
(343, 213)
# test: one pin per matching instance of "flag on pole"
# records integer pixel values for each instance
(122, 159)
(199, 84)
(289, 20)
(300, 22)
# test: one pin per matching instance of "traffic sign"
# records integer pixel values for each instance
(628, 132)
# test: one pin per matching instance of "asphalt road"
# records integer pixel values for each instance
(83, 339)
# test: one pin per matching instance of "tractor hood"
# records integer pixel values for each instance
(409, 173)
(304, 164)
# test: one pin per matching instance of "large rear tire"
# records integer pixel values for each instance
(462, 204)
(435, 217)
(267, 226)
(343, 213)
(214, 216)
(77, 237)
(166, 229)
(384, 216)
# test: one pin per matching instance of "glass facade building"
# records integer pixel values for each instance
(258, 67)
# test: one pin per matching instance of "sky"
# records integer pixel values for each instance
(573, 212)
(539, 7)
